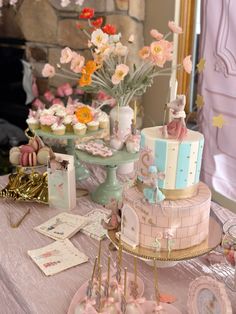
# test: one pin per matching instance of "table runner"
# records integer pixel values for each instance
(24, 288)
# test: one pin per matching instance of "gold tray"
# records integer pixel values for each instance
(213, 240)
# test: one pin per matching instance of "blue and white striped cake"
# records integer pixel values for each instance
(179, 160)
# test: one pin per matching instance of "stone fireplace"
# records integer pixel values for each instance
(47, 27)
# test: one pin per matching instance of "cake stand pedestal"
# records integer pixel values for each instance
(81, 173)
(213, 240)
(111, 188)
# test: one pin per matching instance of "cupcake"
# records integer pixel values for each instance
(79, 128)
(46, 121)
(58, 129)
(33, 123)
(67, 121)
(93, 125)
(60, 112)
(103, 120)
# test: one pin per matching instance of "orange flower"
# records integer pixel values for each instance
(84, 115)
(109, 29)
(90, 67)
(85, 79)
(98, 22)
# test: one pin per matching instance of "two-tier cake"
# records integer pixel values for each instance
(169, 209)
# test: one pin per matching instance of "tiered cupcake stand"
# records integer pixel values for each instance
(111, 188)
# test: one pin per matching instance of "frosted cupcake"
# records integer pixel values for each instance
(58, 129)
(93, 125)
(67, 121)
(46, 121)
(33, 123)
(79, 128)
(60, 112)
(103, 120)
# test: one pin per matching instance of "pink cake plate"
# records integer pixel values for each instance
(80, 294)
(149, 307)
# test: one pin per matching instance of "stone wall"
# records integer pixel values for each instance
(47, 27)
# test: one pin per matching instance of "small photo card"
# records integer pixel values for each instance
(94, 228)
(58, 256)
(63, 226)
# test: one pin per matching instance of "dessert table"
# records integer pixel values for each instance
(25, 289)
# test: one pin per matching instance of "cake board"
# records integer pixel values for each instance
(212, 241)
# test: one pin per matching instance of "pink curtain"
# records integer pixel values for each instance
(218, 86)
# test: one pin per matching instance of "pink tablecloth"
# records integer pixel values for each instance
(25, 289)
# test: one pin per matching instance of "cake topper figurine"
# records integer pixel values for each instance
(177, 127)
(116, 141)
(152, 193)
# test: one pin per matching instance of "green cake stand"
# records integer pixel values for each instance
(111, 188)
(81, 172)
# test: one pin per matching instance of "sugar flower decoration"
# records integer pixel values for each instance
(175, 28)
(187, 64)
(48, 70)
(120, 73)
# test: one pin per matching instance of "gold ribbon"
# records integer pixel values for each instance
(172, 195)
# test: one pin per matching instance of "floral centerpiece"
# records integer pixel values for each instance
(109, 69)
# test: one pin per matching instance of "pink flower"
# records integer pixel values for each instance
(48, 119)
(120, 73)
(57, 101)
(78, 91)
(66, 55)
(161, 51)
(64, 90)
(48, 95)
(175, 28)
(144, 53)
(77, 63)
(38, 104)
(155, 34)
(48, 70)
(187, 64)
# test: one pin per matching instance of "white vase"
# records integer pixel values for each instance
(125, 116)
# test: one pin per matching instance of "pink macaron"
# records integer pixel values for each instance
(24, 159)
(26, 149)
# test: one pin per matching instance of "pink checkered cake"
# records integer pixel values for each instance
(186, 220)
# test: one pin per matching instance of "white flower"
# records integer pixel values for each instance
(115, 38)
(79, 2)
(65, 3)
(121, 50)
(98, 38)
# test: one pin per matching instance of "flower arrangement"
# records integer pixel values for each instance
(109, 70)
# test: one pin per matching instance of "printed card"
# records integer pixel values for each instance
(95, 229)
(58, 256)
(62, 226)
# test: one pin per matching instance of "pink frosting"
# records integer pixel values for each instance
(48, 119)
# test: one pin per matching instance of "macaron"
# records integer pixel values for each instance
(34, 143)
(14, 156)
(24, 159)
(32, 159)
(43, 154)
(26, 149)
